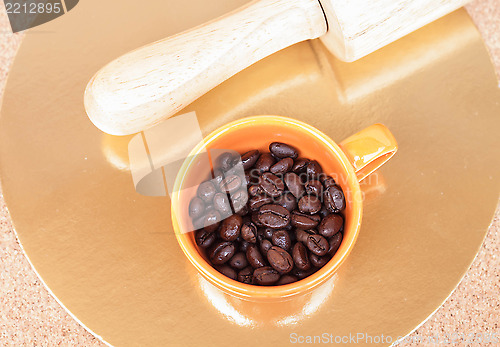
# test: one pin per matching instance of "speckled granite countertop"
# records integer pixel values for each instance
(30, 316)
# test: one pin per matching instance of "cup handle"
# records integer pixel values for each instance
(369, 149)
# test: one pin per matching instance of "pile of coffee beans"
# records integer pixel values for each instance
(269, 218)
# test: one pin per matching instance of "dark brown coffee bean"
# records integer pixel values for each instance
(264, 162)
(250, 158)
(274, 216)
(221, 204)
(254, 256)
(334, 243)
(230, 228)
(314, 169)
(282, 166)
(318, 261)
(230, 183)
(206, 191)
(302, 235)
(271, 184)
(227, 160)
(255, 190)
(287, 200)
(294, 184)
(266, 276)
(283, 150)
(239, 199)
(281, 238)
(255, 219)
(226, 270)
(265, 245)
(196, 208)
(204, 239)
(317, 244)
(221, 252)
(243, 246)
(268, 233)
(300, 165)
(327, 181)
(246, 275)
(211, 221)
(249, 232)
(286, 279)
(323, 212)
(330, 225)
(258, 201)
(304, 221)
(314, 187)
(300, 256)
(238, 261)
(309, 204)
(333, 198)
(280, 259)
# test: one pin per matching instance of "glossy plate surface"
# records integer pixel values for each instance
(110, 255)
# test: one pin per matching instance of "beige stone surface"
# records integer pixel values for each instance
(29, 315)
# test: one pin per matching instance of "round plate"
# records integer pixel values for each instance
(109, 254)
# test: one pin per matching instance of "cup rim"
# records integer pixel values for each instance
(262, 292)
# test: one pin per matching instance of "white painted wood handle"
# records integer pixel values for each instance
(144, 87)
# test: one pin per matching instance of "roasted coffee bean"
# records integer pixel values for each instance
(286, 279)
(196, 208)
(300, 274)
(249, 232)
(230, 228)
(282, 239)
(264, 162)
(206, 191)
(258, 201)
(314, 187)
(268, 233)
(228, 160)
(221, 204)
(280, 259)
(300, 165)
(318, 261)
(246, 275)
(283, 150)
(211, 221)
(304, 221)
(287, 200)
(274, 216)
(282, 166)
(265, 245)
(255, 219)
(255, 190)
(334, 200)
(302, 235)
(323, 212)
(243, 246)
(254, 256)
(300, 256)
(313, 169)
(266, 276)
(330, 225)
(317, 244)
(294, 184)
(227, 271)
(230, 183)
(334, 243)
(204, 239)
(239, 199)
(221, 252)
(327, 181)
(309, 204)
(271, 184)
(238, 261)
(250, 158)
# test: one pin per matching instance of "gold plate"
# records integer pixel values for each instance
(109, 254)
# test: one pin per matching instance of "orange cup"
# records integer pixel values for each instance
(349, 163)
